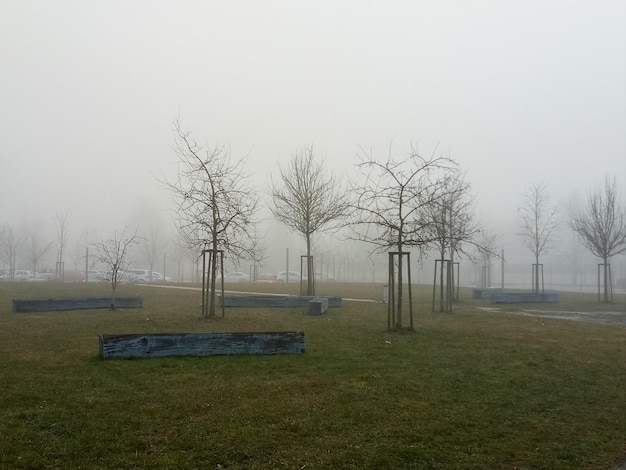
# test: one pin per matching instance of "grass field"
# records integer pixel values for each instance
(471, 389)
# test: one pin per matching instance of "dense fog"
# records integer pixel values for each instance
(516, 93)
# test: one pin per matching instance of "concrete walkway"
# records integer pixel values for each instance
(609, 318)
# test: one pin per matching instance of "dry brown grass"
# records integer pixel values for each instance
(467, 390)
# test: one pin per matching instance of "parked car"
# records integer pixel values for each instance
(139, 275)
(236, 276)
(290, 276)
(18, 275)
(97, 276)
(70, 275)
(122, 277)
(266, 278)
(158, 277)
(44, 276)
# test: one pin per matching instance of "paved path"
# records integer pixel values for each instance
(610, 318)
(250, 293)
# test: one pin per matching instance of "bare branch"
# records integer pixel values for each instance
(390, 210)
(113, 253)
(215, 205)
(308, 200)
(540, 220)
(602, 225)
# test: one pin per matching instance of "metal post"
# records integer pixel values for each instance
(391, 290)
(204, 283)
(502, 271)
(408, 262)
(435, 283)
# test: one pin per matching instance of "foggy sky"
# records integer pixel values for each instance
(516, 92)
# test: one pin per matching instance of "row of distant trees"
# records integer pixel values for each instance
(113, 253)
(25, 248)
(12, 242)
(393, 204)
(600, 225)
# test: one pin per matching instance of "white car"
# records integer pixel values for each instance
(266, 278)
(18, 275)
(236, 277)
(139, 275)
(290, 276)
(97, 276)
(122, 277)
(158, 277)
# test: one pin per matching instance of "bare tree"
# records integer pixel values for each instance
(573, 250)
(451, 225)
(602, 227)
(391, 200)
(79, 253)
(153, 247)
(258, 252)
(62, 229)
(540, 221)
(308, 200)
(182, 254)
(10, 243)
(216, 207)
(36, 251)
(486, 248)
(113, 253)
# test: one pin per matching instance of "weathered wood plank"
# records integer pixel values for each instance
(486, 293)
(273, 301)
(200, 344)
(524, 297)
(318, 305)
(74, 303)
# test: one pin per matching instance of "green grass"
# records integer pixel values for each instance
(468, 390)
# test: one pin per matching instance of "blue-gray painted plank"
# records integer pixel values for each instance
(200, 344)
(524, 297)
(74, 303)
(318, 305)
(486, 293)
(274, 301)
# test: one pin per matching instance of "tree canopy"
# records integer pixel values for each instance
(307, 199)
(601, 225)
(215, 205)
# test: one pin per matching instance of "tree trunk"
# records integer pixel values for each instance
(212, 276)
(452, 288)
(399, 300)
(114, 278)
(310, 283)
(113, 287)
(213, 265)
(441, 281)
(606, 280)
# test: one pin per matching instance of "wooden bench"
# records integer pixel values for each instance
(318, 305)
(273, 300)
(524, 297)
(74, 303)
(113, 346)
(486, 293)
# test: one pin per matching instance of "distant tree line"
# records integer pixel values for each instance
(394, 203)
